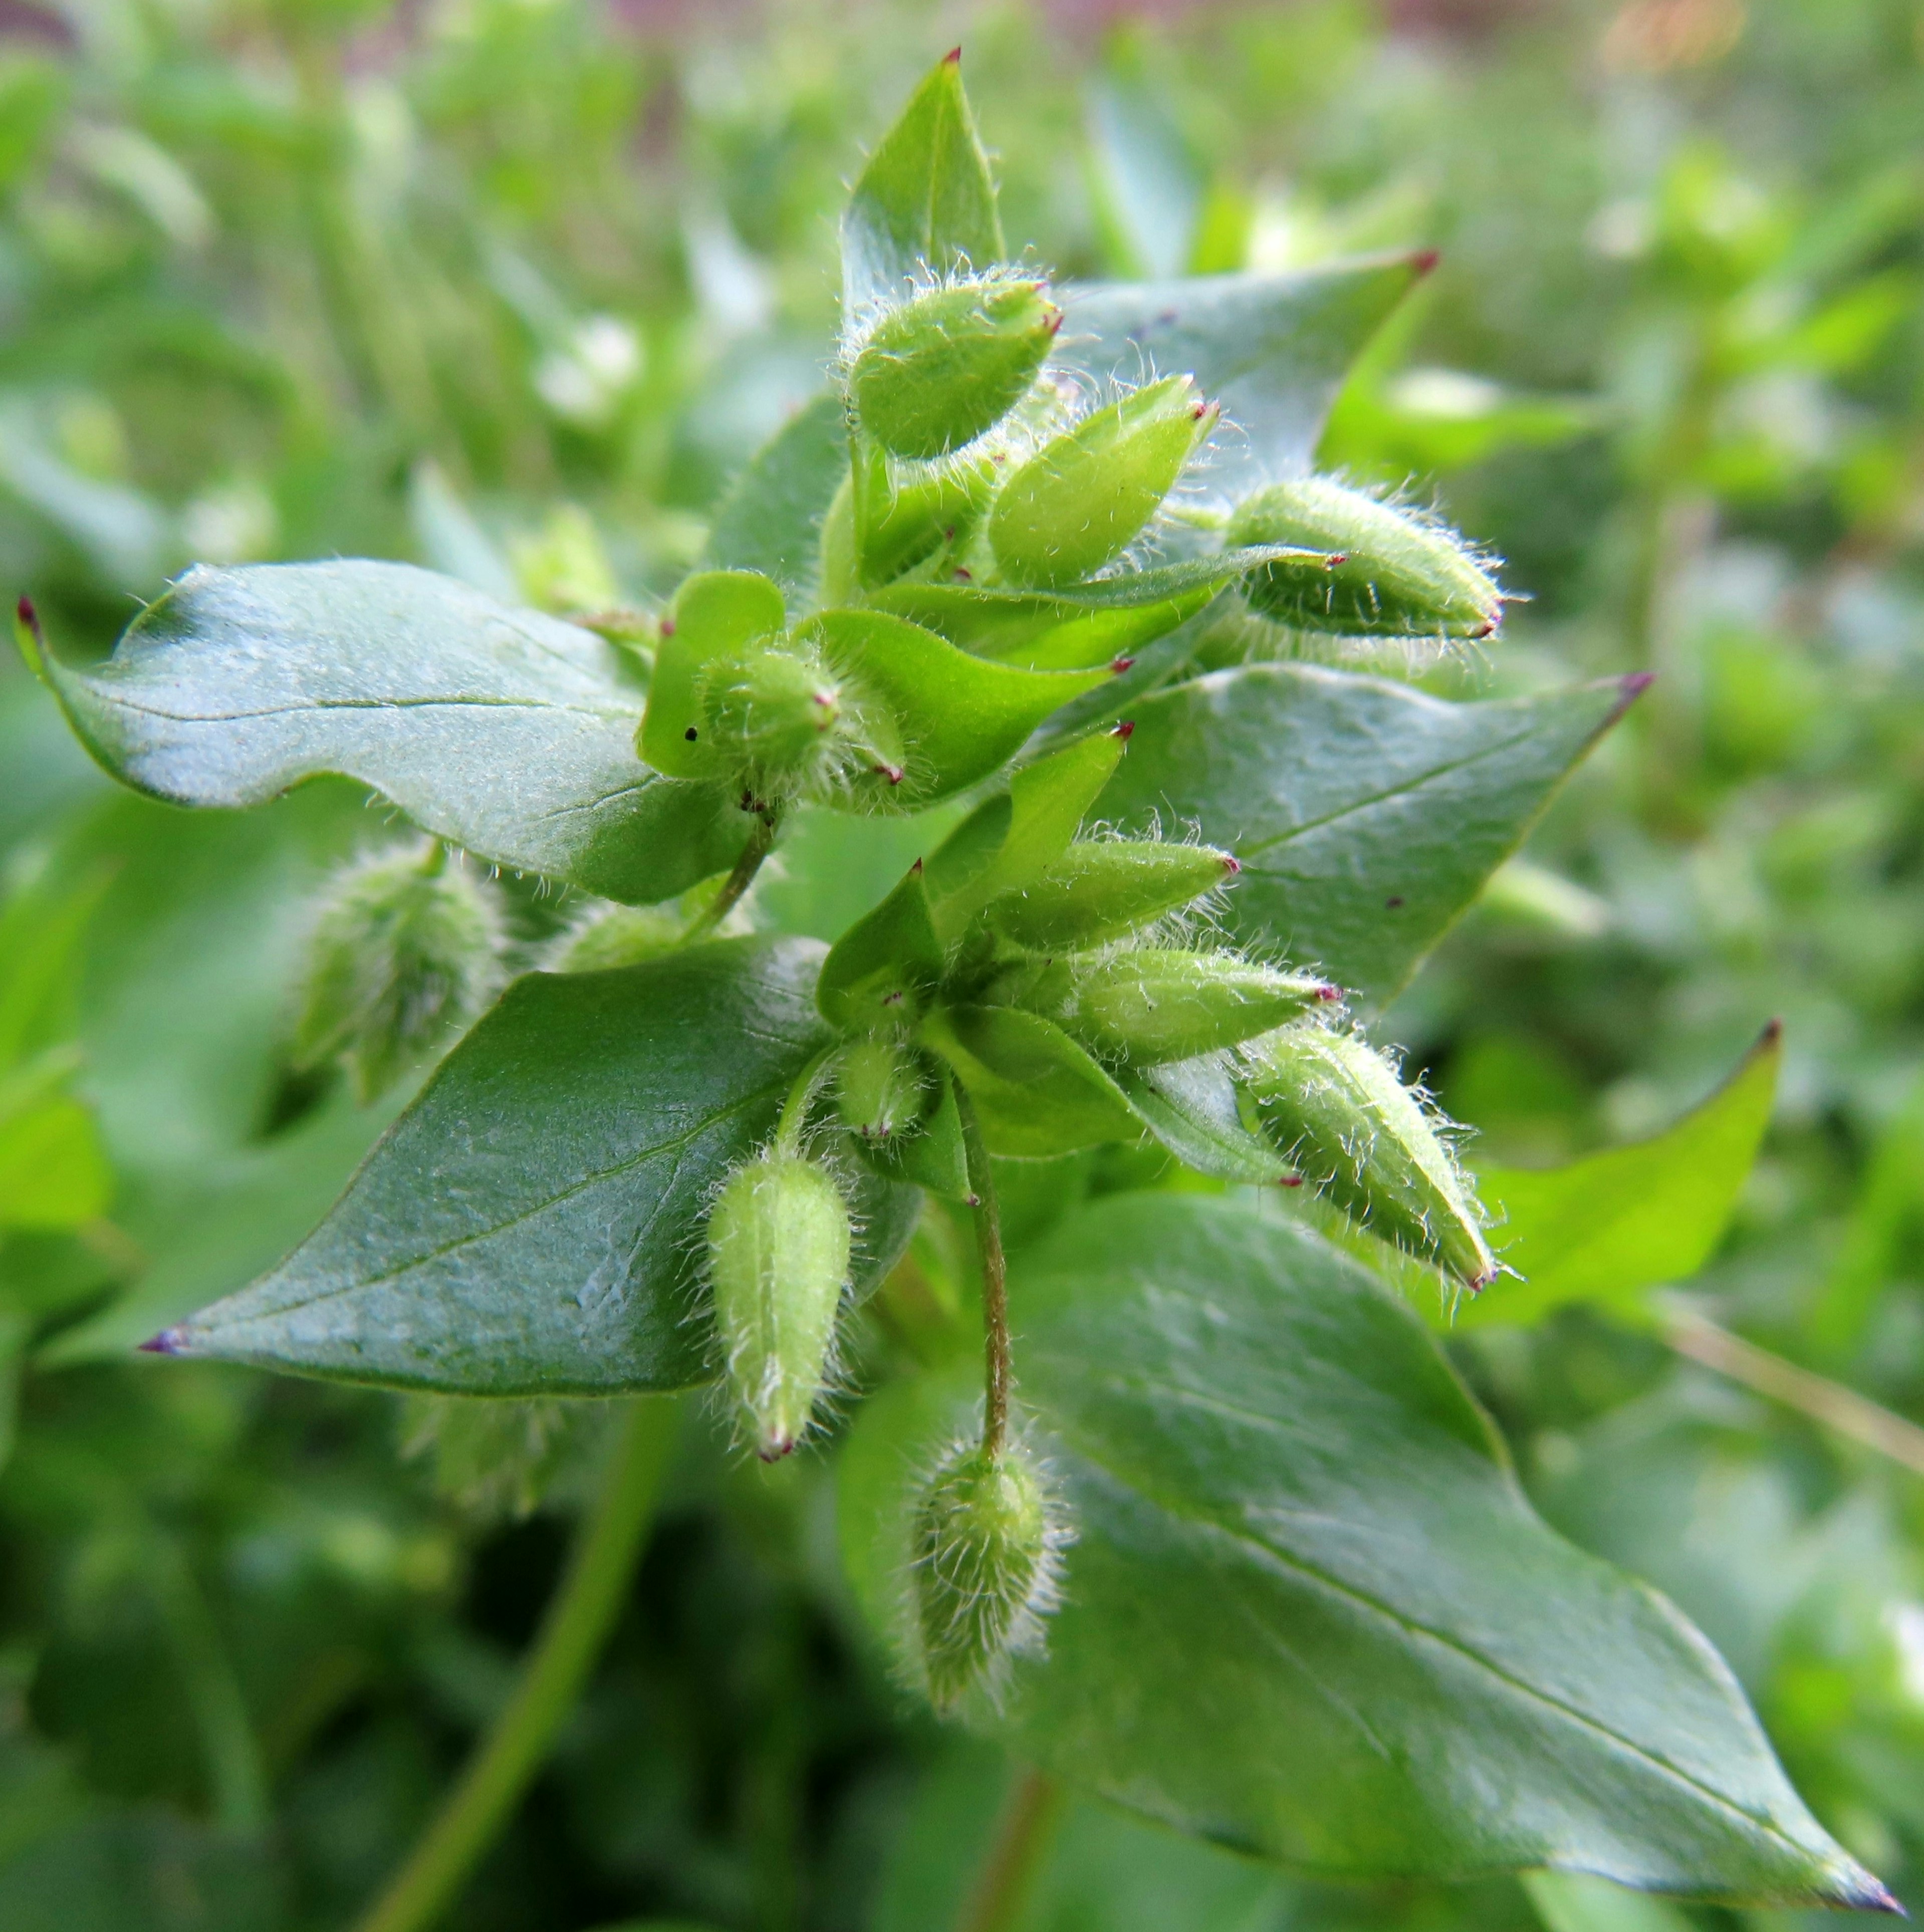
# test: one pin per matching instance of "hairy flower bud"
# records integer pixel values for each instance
(405, 949)
(913, 520)
(1335, 1108)
(881, 1087)
(775, 713)
(951, 364)
(1088, 493)
(778, 1239)
(983, 1550)
(1397, 577)
(1102, 889)
(1156, 1003)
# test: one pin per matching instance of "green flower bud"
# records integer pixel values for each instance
(914, 521)
(881, 1088)
(1157, 1003)
(1088, 494)
(984, 1556)
(771, 710)
(616, 935)
(1103, 889)
(944, 368)
(1335, 1108)
(405, 950)
(1397, 577)
(778, 1258)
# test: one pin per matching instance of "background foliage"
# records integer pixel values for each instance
(510, 288)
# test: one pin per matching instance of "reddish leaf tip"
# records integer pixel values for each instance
(168, 1341)
(1773, 1032)
(1125, 730)
(953, 58)
(1289, 1181)
(1231, 864)
(1636, 683)
(916, 867)
(668, 627)
(1335, 558)
(1119, 665)
(1424, 260)
(24, 610)
(1327, 992)
(892, 772)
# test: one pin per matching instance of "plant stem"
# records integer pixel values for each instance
(761, 842)
(994, 1278)
(801, 1095)
(1824, 1401)
(1022, 1834)
(584, 1608)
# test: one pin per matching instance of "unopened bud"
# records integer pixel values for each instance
(1334, 1107)
(1391, 575)
(771, 712)
(1102, 889)
(881, 1088)
(1155, 1003)
(777, 1257)
(944, 368)
(1088, 494)
(405, 949)
(615, 935)
(983, 1555)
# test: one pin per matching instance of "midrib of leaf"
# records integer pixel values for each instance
(1287, 1561)
(109, 696)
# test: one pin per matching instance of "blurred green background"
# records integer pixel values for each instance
(511, 287)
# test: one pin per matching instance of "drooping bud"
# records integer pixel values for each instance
(777, 1257)
(881, 1087)
(405, 949)
(1088, 494)
(1334, 1107)
(983, 1553)
(774, 712)
(1103, 889)
(1157, 1003)
(950, 364)
(1395, 576)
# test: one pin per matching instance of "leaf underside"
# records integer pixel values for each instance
(531, 1224)
(1366, 815)
(1308, 1612)
(236, 684)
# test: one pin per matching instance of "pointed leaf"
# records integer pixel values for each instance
(1189, 1106)
(1040, 1094)
(1610, 1227)
(235, 684)
(1366, 815)
(925, 202)
(1272, 349)
(770, 520)
(1309, 1612)
(878, 972)
(960, 717)
(530, 1225)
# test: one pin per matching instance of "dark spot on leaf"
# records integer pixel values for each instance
(1395, 900)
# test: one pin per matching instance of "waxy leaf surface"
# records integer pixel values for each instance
(770, 520)
(531, 1224)
(508, 732)
(1366, 815)
(1308, 1611)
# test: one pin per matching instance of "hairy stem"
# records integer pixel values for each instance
(1022, 1835)
(994, 1278)
(1830, 1403)
(578, 1619)
(801, 1097)
(761, 842)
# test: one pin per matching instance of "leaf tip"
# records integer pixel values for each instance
(168, 1341)
(1119, 665)
(1424, 261)
(27, 632)
(953, 58)
(1125, 730)
(1771, 1038)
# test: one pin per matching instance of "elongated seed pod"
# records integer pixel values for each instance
(1398, 577)
(950, 364)
(1155, 1003)
(981, 1546)
(1334, 1107)
(778, 1259)
(881, 1087)
(1103, 889)
(1088, 494)
(404, 948)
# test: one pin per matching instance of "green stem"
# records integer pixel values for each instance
(1022, 1835)
(994, 1278)
(584, 1609)
(801, 1096)
(761, 842)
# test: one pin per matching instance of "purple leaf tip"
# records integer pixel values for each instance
(168, 1341)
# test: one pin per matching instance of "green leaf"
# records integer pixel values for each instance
(961, 717)
(1088, 624)
(236, 684)
(1607, 1228)
(53, 1173)
(1190, 1107)
(529, 1226)
(1038, 1093)
(1366, 815)
(1308, 1612)
(878, 972)
(1272, 349)
(770, 520)
(1570, 1902)
(714, 610)
(925, 202)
